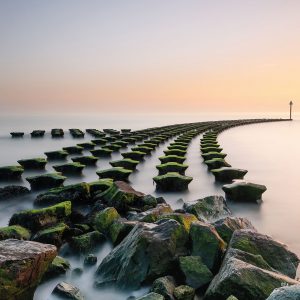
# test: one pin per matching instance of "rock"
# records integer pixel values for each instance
(286, 293)
(37, 133)
(58, 267)
(67, 291)
(152, 296)
(76, 193)
(164, 286)
(57, 132)
(183, 218)
(22, 265)
(12, 191)
(11, 172)
(225, 227)
(114, 147)
(209, 208)
(95, 132)
(211, 149)
(105, 218)
(36, 219)
(76, 133)
(141, 148)
(17, 134)
(135, 155)
(69, 168)
(86, 242)
(77, 272)
(119, 229)
(228, 174)
(177, 152)
(172, 158)
(73, 149)
(184, 292)
(232, 298)
(85, 160)
(177, 146)
(172, 181)
(244, 191)
(57, 155)
(216, 163)
(99, 142)
(103, 152)
(53, 235)
(148, 252)
(211, 155)
(171, 167)
(245, 281)
(87, 146)
(207, 244)
(116, 173)
(46, 181)
(196, 273)
(152, 215)
(90, 260)
(14, 232)
(148, 202)
(274, 253)
(33, 163)
(126, 163)
(99, 186)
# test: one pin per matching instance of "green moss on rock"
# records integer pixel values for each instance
(172, 181)
(172, 167)
(126, 163)
(172, 158)
(11, 172)
(105, 218)
(14, 232)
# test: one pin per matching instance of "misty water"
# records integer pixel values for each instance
(269, 151)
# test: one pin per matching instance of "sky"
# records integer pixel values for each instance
(149, 55)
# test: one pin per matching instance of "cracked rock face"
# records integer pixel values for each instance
(22, 265)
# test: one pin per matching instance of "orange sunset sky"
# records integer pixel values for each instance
(149, 55)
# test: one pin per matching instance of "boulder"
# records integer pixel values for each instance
(59, 266)
(73, 149)
(119, 229)
(90, 260)
(172, 181)
(46, 181)
(105, 218)
(172, 158)
(244, 191)
(183, 218)
(164, 286)
(116, 173)
(56, 155)
(57, 132)
(286, 293)
(14, 232)
(126, 163)
(171, 167)
(37, 133)
(36, 219)
(211, 155)
(67, 291)
(148, 252)
(208, 209)
(33, 163)
(207, 244)
(69, 168)
(152, 296)
(99, 186)
(177, 152)
(11, 172)
(114, 147)
(177, 146)
(17, 134)
(225, 227)
(99, 142)
(22, 265)
(211, 149)
(85, 160)
(141, 148)
(87, 145)
(196, 273)
(103, 152)
(135, 155)
(274, 253)
(216, 163)
(12, 191)
(228, 174)
(152, 215)
(86, 242)
(76, 133)
(184, 292)
(76, 193)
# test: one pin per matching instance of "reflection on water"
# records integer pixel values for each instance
(268, 151)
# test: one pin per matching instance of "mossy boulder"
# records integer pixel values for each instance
(14, 232)
(216, 163)
(103, 152)
(242, 191)
(172, 181)
(119, 229)
(99, 186)
(69, 168)
(226, 227)
(126, 163)
(143, 149)
(114, 147)
(148, 252)
(184, 219)
(196, 273)
(153, 215)
(228, 174)
(66, 290)
(211, 149)
(286, 293)
(172, 158)
(172, 167)
(151, 296)
(135, 155)
(184, 292)
(76, 133)
(11, 172)
(116, 173)
(90, 260)
(87, 242)
(22, 266)
(177, 146)
(95, 132)
(33, 163)
(85, 160)
(208, 209)
(36, 219)
(209, 144)
(164, 286)
(76, 193)
(87, 145)
(57, 132)
(53, 235)
(211, 155)
(46, 181)
(12, 191)
(105, 218)
(57, 155)
(207, 244)
(17, 134)
(59, 266)
(37, 133)
(177, 152)
(100, 142)
(73, 149)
